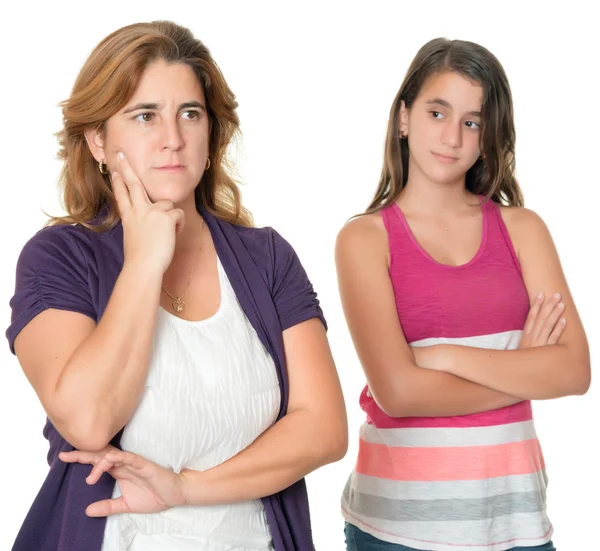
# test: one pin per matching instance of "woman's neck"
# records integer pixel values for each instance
(189, 237)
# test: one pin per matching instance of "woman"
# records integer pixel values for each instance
(454, 296)
(156, 319)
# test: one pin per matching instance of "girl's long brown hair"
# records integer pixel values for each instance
(493, 175)
(105, 83)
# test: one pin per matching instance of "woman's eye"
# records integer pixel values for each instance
(145, 117)
(471, 124)
(191, 115)
(436, 114)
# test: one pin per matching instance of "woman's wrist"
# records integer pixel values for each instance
(189, 480)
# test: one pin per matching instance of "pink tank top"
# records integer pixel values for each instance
(471, 482)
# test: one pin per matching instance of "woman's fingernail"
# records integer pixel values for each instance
(540, 296)
(561, 305)
(120, 156)
(557, 296)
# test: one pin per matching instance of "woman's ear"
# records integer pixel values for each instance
(95, 142)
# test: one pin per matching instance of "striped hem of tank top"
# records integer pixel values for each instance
(472, 482)
(448, 487)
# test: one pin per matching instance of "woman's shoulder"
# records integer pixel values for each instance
(70, 244)
(264, 243)
(59, 236)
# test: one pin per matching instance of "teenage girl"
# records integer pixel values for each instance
(458, 306)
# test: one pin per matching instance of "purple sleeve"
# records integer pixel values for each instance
(293, 293)
(52, 272)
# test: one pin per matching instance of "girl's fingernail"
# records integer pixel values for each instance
(120, 156)
(540, 295)
(557, 296)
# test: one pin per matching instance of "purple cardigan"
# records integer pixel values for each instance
(73, 268)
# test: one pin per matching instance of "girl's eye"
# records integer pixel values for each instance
(471, 124)
(144, 117)
(436, 114)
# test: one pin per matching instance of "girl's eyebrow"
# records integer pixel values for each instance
(444, 103)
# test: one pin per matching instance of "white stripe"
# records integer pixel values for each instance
(448, 437)
(448, 489)
(506, 532)
(509, 340)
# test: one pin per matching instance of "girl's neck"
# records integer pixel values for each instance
(421, 195)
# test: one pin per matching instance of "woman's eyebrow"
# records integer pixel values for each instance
(156, 106)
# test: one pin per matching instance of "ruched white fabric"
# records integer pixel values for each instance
(212, 389)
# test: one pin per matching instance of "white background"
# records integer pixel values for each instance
(315, 84)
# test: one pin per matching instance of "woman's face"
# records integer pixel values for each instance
(163, 131)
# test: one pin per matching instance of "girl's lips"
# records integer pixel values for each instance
(444, 158)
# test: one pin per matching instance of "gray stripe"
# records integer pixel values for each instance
(404, 510)
(448, 489)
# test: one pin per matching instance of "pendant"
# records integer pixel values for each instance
(178, 305)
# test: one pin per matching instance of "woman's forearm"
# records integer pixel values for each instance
(296, 445)
(102, 382)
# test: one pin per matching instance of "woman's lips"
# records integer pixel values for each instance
(170, 168)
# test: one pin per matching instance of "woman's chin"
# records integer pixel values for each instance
(178, 197)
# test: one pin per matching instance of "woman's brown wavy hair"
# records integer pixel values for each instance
(493, 175)
(105, 83)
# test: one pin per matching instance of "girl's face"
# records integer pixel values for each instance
(163, 131)
(443, 128)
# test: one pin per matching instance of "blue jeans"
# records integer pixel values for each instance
(357, 540)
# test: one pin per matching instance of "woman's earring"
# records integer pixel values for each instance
(207, 163)
(401, 135)
(102, 166)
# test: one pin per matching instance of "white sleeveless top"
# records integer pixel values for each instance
(212, 389)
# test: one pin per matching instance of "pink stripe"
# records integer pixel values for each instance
(503, 416)
(439, 464)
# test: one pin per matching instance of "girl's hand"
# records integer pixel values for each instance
(544, 324)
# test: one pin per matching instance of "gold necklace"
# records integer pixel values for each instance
(178, 304)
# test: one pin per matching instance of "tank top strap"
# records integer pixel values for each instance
(497, 231)
(399, 234)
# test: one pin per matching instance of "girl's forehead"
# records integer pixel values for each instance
(453, 89)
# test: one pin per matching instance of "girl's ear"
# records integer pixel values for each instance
(403, 120)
